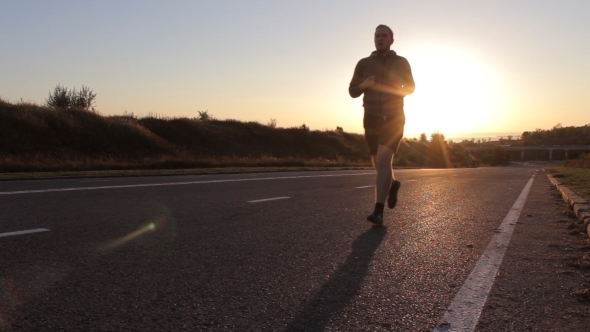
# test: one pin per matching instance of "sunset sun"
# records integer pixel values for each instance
(454, 94)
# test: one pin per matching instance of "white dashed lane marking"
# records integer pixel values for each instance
(267, 199)
(371, 186)
(29, 231)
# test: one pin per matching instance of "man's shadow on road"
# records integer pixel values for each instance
(342, 286)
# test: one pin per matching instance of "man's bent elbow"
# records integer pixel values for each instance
(409, 89)
(354, 92)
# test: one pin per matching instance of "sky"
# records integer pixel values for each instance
(480, 67)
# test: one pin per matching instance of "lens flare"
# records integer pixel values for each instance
(147, 228)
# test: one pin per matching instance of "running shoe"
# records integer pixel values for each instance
(376, 219)
(392, 198)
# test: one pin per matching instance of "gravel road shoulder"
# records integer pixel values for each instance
(544, 281)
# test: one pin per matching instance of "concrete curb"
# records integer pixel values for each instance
(580, 205)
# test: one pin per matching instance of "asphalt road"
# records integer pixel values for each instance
(210, 252)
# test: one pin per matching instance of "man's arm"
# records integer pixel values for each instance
(358, 85)
(408, 85)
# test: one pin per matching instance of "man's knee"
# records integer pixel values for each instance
(383, 165)
(383, 161)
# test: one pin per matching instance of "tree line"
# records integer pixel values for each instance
(558, 135)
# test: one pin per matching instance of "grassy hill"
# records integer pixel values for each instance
(36, 138)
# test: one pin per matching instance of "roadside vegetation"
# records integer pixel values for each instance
(67, 134)
(37, 138)
(558, 135)
(575, 175)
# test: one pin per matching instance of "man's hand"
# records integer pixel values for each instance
(367, 83)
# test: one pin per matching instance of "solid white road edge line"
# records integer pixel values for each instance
(174, 183)
(267, 199)
(29, 231)
(465, 309)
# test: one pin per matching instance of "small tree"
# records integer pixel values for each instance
(83, 99)
(205, 116)
(59, 98)
(272, 123)
(423, 138)
(63, 99)
(438, 150)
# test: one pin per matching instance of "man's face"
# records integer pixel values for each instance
(383, 40)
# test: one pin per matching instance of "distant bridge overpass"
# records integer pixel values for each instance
(541, 152)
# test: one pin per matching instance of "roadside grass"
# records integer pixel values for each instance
(576, 179)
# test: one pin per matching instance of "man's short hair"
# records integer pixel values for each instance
(386, 27)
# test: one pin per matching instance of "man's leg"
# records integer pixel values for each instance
(382, 163)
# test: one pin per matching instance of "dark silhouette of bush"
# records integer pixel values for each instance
(61, 98)
(205, 116)
(438, 151)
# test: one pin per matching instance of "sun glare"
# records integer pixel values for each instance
(454, 93)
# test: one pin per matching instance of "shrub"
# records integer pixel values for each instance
(83, 99)
(63, 99)
(488, 159)
(583, 161)
(59, 98)
(272, 123)
(205, 116)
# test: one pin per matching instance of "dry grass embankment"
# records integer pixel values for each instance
(575, 175)
(41, 139)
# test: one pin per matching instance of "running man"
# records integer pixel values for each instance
(384, 78)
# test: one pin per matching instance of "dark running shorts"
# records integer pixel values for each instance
(380, 131)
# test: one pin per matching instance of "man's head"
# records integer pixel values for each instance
(383, 39)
